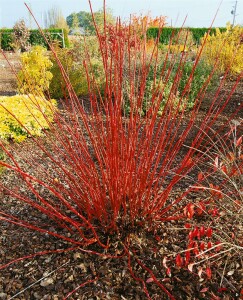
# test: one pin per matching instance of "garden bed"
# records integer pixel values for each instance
(54, 275)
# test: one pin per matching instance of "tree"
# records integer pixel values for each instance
(54, 19)
(75, 22)
(82, 16)
(85, 20)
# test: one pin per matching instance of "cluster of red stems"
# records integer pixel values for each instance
(110, 171)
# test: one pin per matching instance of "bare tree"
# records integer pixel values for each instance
(53, 18)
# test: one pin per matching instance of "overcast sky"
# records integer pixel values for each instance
(199, 13)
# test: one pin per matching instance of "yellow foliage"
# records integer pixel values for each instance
(35, 77)
(176, 49)
(227, 47)
(24, 115)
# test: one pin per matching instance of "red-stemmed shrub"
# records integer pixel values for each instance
(109, 172)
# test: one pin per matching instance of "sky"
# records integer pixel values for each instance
(198, 13)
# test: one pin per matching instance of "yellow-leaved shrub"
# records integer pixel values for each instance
(227, 48)
(72, 60)
(24, 115)
(35, 76)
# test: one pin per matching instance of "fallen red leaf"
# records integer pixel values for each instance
(178, 260)
(203, 290)
(208, 272)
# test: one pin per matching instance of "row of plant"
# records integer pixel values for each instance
(118, 169)
(41, 74)
(167, 33)
(21, 38)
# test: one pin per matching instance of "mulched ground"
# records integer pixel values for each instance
(55, 275)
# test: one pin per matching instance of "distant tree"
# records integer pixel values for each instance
(86, 22)
(82, 16)
(75, 22)
(54, 19)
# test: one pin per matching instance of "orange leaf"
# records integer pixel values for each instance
(200, 176)
(239, 141)
(224, 169)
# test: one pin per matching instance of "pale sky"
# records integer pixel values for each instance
(200, 13)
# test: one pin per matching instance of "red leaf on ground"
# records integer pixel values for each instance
(209, 232)
(222, 289)
(203, 290)
(200, 176)
(190, 210)
(208, 272)
(168, 272)
(202, 230)
(239, 141)
(202, 246)
(187, 225)
(224, 169)
(188, 255)
(210, 245)
(178, 260)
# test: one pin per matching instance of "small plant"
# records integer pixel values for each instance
(21, 36)
(24, 115)
(34, 77)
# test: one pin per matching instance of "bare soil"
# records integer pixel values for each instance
(8, 83)
(52, 275)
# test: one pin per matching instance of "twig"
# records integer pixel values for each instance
(22, 291)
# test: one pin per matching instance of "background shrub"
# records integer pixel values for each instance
(167, 33)
(184, 38)
(52, 34)
(24, 115)
(226, 48)
(167, 88)
(35, 38)
(21, 36)
(6, 39)
(35, 77)
(73, 63)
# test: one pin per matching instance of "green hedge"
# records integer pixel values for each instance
(6, 39)
(36, 37)
(167, 32)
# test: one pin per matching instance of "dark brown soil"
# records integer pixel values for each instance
(52, 276)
